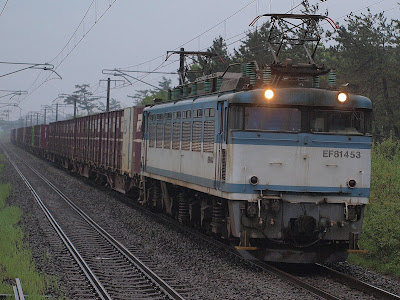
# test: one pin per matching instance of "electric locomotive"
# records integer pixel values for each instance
(266, 158)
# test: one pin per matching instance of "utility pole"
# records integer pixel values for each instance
(109, 90)
(182, 53)
(45, 115)
(31, 119)
(37, 118)
(56, 111)
(108, 94)
(182, 66)
(74, 107)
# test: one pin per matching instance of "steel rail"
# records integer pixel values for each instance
(255, 263)
(154, 278)
(377, 292)
(343, 278)
(97, 285)
(358, 284)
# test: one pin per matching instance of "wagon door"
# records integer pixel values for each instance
(220, 166)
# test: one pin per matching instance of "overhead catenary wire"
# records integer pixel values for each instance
(67, 55)
(76, 30)
(248, 31)
(236, 41)
(192, 39)
(4, 7)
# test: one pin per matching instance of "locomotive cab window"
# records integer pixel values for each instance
(340, 122)
(261, 118)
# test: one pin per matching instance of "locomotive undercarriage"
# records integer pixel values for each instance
(271, 229)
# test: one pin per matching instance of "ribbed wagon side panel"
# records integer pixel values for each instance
(28, 138)
(36, 136)
(44, 136)
(20, 135)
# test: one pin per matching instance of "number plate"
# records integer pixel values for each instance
(341, 154)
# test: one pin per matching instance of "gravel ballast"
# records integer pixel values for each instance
(207, 273)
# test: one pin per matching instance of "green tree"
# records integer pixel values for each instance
(367, 56)
(146, 97)
(84, 98)
(114, 105)
(203, 66)
(255, 47)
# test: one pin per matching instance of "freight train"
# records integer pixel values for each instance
(264, 158)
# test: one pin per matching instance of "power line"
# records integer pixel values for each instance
(4, 7)
(211, 28)
(77, 28)
(62, 61)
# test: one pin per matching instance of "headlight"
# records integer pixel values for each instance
(254, 180)
(269, 94)
(351, 183)
(342, 97)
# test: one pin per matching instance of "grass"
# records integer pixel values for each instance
(381, 228)
(15, 256)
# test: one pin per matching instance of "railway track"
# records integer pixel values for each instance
(113, 271)
(320, 291)
(358, 284)
(316, 289)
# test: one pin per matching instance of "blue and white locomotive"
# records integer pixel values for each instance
(265, 158)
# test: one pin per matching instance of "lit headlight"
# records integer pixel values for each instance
(342, 97)
(269, 94)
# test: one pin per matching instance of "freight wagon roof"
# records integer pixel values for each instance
(301, 96)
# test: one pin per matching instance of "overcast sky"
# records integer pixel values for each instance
(129, 34)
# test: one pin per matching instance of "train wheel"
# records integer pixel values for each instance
(183, 211)
(156, 201)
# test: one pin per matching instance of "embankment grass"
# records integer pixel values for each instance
(15, 255)
(381, 228)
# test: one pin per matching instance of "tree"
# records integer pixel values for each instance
(204, 66)
(367, 55)
(114, 105)
(255, 47)
(145, 97)
(84, 99)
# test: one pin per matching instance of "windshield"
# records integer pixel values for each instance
(289, 119)
(265, 118)
(340, 122)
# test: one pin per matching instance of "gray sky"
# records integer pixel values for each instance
(130, 34)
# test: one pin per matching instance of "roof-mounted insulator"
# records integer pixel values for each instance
(251, 72)
(219, 83)
(316, 81)
(194, 89)
(185, 91)
(332, 79)
(243, 69)
(177, 93)
(267, 76)
(207, 86)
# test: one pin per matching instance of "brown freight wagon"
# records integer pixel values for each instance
(106, 145)
(62, 141)
(40, 136)
(13, 135)
(20, 135)
(28, 136)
